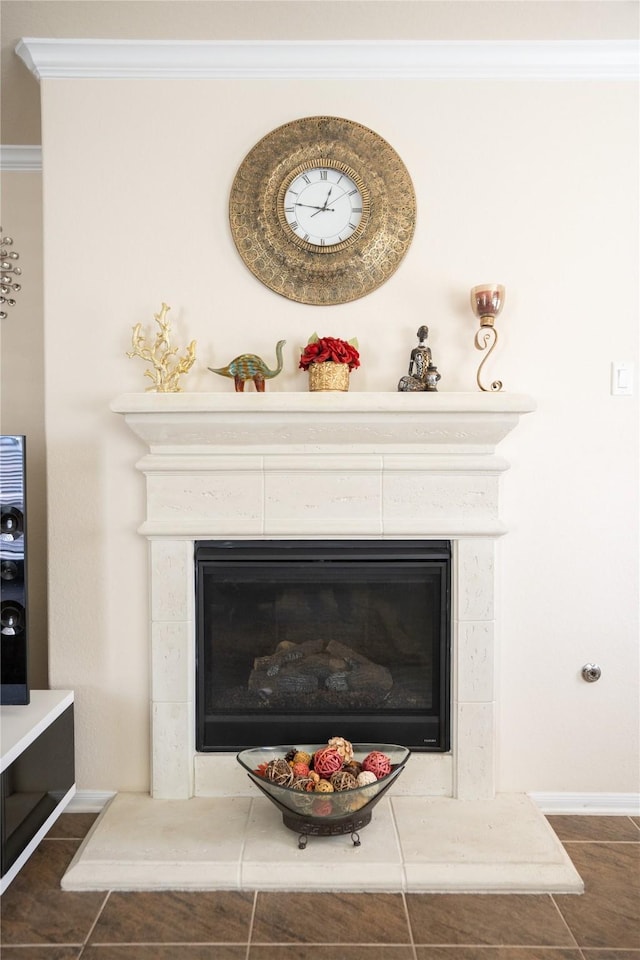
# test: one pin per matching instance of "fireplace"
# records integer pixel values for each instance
(346, 473)
(303, 640)
(375, 467)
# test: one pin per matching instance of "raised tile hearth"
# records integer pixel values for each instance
(413, 844)
(323, 466)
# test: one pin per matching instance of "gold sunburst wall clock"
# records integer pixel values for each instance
(322, 210)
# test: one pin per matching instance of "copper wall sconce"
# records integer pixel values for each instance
(487, 300)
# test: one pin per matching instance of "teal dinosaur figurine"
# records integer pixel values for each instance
(248, 366)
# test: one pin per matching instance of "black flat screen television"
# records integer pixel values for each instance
(14, 668)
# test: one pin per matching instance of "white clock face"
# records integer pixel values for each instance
(323, 206)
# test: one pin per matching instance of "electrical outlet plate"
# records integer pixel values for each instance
(622, 375)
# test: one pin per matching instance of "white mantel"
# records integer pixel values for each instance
(322, 465)
(313, 464)
(392, 422)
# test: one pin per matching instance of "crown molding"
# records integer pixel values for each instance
(49, 58)
(15, 157)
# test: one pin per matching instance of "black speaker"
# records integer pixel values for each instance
(14, 667)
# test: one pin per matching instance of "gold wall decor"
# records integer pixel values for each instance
(167, 367)
(322, 210)
(8, 272)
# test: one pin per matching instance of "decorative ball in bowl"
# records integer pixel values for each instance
(325, 789)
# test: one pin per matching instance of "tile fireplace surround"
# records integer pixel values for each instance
(325, 466)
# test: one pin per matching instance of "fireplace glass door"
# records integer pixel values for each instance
(298, 641)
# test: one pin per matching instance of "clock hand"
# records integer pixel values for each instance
(322, 210)
(324, 206)
(310, 205)
(340, 196)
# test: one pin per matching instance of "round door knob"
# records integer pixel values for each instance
(591, 672)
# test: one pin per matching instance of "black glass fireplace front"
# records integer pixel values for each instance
(299, 641)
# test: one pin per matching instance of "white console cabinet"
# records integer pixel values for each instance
(37, 773)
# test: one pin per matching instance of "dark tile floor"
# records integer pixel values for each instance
(41, 922)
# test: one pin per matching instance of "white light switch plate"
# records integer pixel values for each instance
(622, 376)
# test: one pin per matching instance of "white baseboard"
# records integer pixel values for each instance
(18, 157)
(90, 801)
(604, 804)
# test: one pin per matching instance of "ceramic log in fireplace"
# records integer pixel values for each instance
(307, 639)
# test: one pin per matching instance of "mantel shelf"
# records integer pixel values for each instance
(280, 423)
(419, 404)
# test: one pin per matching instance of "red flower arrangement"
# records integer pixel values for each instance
(322, 349)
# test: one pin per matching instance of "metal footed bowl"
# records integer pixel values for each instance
(324, 814)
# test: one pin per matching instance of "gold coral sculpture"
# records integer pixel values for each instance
(167, 367)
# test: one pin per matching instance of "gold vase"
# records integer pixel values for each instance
(329, 376)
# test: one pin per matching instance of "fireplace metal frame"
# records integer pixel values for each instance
(421, 730)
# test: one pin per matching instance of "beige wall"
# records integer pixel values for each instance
(136, 180)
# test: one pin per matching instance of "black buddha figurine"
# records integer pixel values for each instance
(422, 375)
